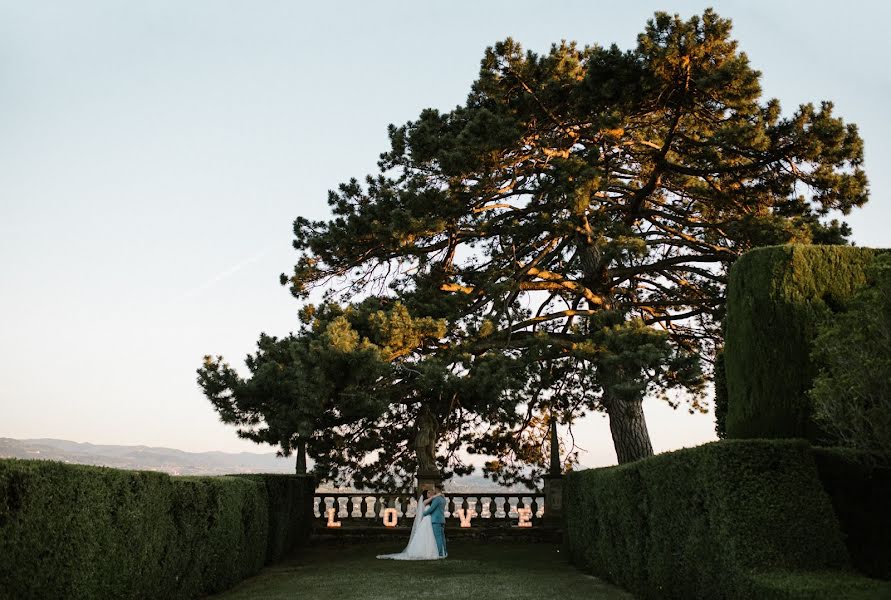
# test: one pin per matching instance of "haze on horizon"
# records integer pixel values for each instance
(153, 157)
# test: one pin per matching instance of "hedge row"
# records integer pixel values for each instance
(730, 519)
(74, 531)
(859, 486)
(776, 297)
(720, 382)
(289, 501)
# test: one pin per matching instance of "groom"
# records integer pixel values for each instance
(436, 510)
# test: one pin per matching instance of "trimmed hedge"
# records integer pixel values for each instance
(776, 296)
(290, 510)
(74, 531)
(720, 396)
(730, 519)
(860, 489)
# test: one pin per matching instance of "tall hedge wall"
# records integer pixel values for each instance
(720, 381)
(730, 519)
(859, 486)
(73, 531)
(776, 296)
(289, 501)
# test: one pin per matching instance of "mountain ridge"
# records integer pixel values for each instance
(145, 458)
(181, 462)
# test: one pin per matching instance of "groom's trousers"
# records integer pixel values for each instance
(439, 534)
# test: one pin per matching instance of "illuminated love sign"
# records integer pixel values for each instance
(391, 517)
(332, 512)
(465, 517)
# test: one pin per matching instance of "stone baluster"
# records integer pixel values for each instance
(450, 507)
(403, 506)
(493, 508)
(320, 506)
(534, 507)
(478, 507)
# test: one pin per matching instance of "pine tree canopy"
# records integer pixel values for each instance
(573, 222)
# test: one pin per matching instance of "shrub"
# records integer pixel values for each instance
(290, 511)
(776, 297)
(852, 393)
(706, 522)
(720, 396)
(859, 486)
(73, 531)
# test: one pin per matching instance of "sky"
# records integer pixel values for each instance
(153, 156)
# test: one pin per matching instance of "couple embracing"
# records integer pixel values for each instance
(427, 539)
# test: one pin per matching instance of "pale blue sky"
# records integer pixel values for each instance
(153, 156)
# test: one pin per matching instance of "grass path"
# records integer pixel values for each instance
(474, 570)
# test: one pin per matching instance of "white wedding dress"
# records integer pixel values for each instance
(421, 543)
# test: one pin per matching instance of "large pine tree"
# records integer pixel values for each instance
(578, 214)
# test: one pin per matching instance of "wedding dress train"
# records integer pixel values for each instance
(421, 542)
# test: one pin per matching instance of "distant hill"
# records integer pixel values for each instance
(146, 458)
(179, 462)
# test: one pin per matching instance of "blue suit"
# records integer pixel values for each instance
(436, 510)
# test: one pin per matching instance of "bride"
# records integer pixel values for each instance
(421, 543)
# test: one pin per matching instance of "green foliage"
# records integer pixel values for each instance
(578, 182)
(852, 392)
(786, 585)
(72, 531)
(776, 299)
(289, 501)
(311, 389)
(700, 522)
(720, 379)
(859, 485)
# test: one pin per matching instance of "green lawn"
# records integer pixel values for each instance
(474, 570)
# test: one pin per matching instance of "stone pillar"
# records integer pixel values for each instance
(425, 448)
(300, 466)
(553, 483)
(553, 489)
(428, 480)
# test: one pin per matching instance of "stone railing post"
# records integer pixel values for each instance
(553, 483)
(428, 480)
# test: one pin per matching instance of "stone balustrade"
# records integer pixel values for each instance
(362, 508)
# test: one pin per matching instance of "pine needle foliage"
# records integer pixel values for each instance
(575, 187)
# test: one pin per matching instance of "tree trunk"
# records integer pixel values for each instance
(629, 428)
(301, 457)
(425, 443)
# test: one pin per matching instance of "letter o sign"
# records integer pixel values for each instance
(390, 517)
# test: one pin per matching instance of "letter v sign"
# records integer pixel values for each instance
(465, 517)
